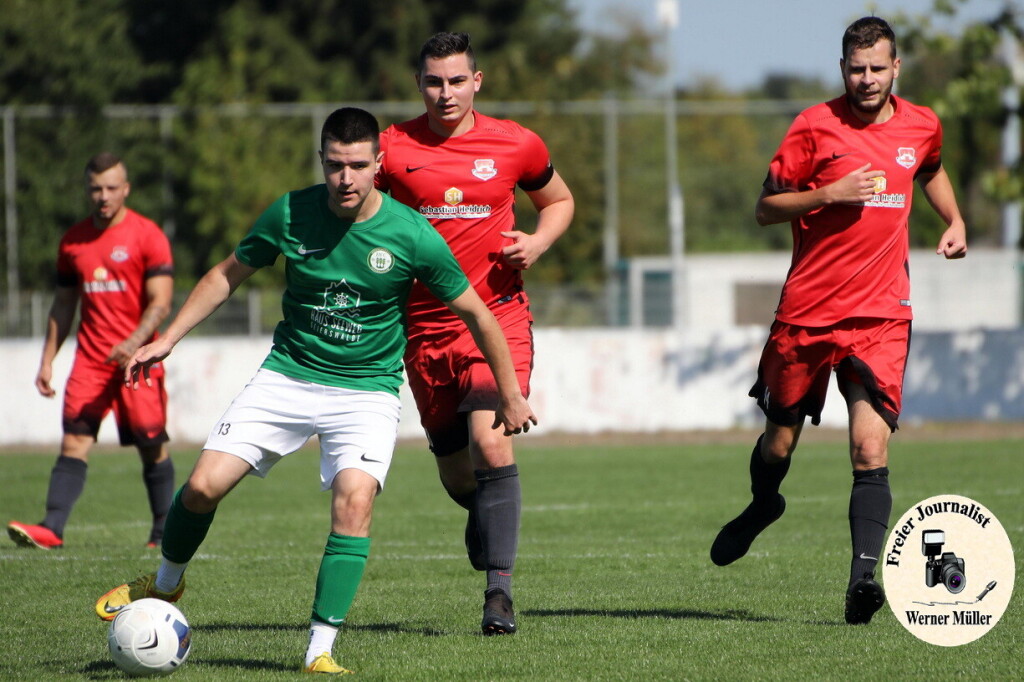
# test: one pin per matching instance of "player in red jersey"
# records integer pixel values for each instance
(118, 264)
(460, 168)
(843, 177)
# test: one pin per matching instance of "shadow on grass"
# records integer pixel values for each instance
(100, 670)
(395, 627)
(281, 627)
(303, 627)
(678, 614)
(833, 623)
(250, 627)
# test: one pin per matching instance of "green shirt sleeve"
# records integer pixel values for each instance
(437, 268)
(262, 245)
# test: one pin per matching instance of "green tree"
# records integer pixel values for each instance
(318, 51)
(963, 77)
(78, 57)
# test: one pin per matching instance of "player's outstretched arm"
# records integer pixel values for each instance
(854, 188)
(514, 413)
(159, 292)
(555, 207)
(215, 287)
(939, 192)
(58, 326)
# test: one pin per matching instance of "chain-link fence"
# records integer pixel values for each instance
(205, 173)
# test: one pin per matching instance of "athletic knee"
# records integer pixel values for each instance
(154, 454)
(352, 511)
(76, 446)
(200, 495)
(869, 454)
(777, 449)
(492, 450)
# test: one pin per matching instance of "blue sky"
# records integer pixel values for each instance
(739, 41)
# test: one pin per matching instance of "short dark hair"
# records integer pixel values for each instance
(445, 44)
(349, 125)
(865, 32)
(102, 162)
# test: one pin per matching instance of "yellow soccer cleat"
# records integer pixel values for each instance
(144, 586)
(324, 663)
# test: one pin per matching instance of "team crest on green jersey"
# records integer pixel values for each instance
(380, 260)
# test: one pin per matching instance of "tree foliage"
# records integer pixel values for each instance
(224, 168)
(209, 172)
(963, 77)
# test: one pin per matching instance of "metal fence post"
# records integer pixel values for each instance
(11, 221)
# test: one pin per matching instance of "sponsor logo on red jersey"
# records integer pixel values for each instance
(454, 207)
(453, 196)
(101, 283)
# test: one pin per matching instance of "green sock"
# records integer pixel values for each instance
(341, 570)
(184, 531)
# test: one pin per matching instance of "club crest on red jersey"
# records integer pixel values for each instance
(484, 169)
(119, 254)
(906, 157)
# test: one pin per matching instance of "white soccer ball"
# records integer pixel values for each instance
(149, 637)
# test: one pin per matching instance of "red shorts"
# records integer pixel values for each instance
(792, 378)
(92, 392)
(449, 377)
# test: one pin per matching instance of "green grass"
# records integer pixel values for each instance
(613, 579)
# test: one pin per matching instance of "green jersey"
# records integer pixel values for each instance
(346, 287)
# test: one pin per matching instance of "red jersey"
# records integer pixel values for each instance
(852, 260)
(465, 186)
(109, 268)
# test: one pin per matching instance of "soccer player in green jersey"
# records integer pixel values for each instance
(351, 254)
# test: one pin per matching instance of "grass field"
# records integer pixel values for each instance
(612, 583)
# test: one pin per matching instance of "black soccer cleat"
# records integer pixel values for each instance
(735, 538)
(863, 599)
(499, 618)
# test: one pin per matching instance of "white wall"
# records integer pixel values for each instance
(586, 381)
(982, 290)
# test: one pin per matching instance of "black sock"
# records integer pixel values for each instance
(67, 480)
(159, 480)
(765, 478)
(870, 505)
(498, 503)
(474, 545)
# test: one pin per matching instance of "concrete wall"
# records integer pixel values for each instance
(586, 381)
(980, 291)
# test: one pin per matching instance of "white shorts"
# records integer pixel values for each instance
(275, 415)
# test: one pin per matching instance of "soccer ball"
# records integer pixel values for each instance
(149, 637)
